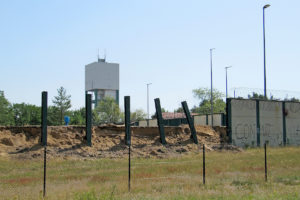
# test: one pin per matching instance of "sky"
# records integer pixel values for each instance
(46, 44)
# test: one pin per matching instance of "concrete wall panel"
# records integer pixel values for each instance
(271, 126)
(152, 122)
(217, 120)
(292, 123)
(143, 123)
(200, 120)
(243, 122)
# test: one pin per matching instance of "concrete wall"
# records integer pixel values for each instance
(200, 120)
(271, 126)
(243, 122)
(292, 123)
(217, 119)
(152, 122)
(276, 124)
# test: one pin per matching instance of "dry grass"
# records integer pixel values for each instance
(229, 176)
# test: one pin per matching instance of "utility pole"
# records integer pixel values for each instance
(211, 90)
(148, 102)
(226, 79)
(265, 79)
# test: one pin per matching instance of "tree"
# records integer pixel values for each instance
(52, 119)
(62, 102)
(138, 115)
(163, 110)
(293, 99)
(179, 110)
(77, 117)
(107, 111)
(204, 94)
(205, 107)
(6, 115)
(256, 96)
(34, 114)
(26, 114)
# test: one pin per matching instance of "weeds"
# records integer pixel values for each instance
(229, 175)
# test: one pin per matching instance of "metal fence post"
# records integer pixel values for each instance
(257, 123)
(129, 167)
(88, 118)
(160, 121)
(44, 118)
(44, 134)
(228, 119)
(203, 164)
(127, 120)
(266, 169)
(284, 123)
(128, 135)
(190, 121)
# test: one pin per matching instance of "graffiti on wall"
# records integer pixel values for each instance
(244, 131)
(293, 135)
(275, 124)
(270, 134)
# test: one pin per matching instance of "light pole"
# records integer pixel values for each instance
(265, 79)
(211, 90)
(148, 102)
(226, 78)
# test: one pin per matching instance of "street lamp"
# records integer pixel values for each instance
(211, 89)
(226, 78)
(265, 79)
(148, 102)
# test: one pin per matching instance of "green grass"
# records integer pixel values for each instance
(229, 175)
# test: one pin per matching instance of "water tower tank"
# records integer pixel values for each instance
(102, 79)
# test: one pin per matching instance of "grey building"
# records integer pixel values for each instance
(102, 79)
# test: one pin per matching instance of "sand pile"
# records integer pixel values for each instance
(108, 141)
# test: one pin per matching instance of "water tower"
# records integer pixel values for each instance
(102, 79)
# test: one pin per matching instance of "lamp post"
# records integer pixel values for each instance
(265, 79)
(226, 78)
(211, 89)
(148, 102)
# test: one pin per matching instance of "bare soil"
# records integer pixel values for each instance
(108, 141)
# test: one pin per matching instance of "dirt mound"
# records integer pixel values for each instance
(6, 141)
(108, 141)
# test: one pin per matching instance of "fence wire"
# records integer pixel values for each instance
(23, 178)
(245, 92)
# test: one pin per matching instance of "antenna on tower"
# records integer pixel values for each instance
(98, 55)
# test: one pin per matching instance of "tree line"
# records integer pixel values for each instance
(20, 114)
(107, 110)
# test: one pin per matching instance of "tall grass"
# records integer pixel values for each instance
(229, 175)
